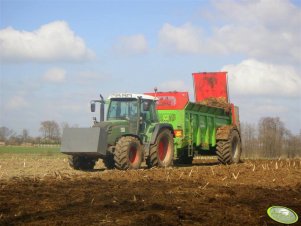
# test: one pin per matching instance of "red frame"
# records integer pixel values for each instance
(171, 100)
(210, 85)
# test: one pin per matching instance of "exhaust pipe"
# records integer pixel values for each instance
(102, 107)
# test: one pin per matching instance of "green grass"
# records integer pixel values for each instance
(29, 150)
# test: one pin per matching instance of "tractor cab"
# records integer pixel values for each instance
(138, 110)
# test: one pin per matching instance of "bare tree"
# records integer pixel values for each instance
(292, 145)
(25, 135)
(5, 133)
(249, 140)
(50, 130)
(271, 134)
(65, 125)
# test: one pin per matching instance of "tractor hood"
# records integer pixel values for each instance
(116, 129)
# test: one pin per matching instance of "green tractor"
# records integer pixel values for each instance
(130, 135)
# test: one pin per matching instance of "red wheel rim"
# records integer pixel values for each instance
(163, 148)
(133, 157)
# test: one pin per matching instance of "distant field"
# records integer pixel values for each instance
(29, 150)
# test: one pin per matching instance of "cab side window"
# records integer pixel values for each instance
(148, 110)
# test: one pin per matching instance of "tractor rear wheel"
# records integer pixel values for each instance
(82, 162)
(161, 153)
(229, 150)
(128, 153)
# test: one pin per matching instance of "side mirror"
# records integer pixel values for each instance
(93, 107)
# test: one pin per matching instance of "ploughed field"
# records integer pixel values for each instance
(41, 189)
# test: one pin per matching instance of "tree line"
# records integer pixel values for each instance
(50, 133)
(269, 138)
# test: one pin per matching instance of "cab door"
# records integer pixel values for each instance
(147, 114)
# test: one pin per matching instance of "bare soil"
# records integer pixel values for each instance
(37, 190)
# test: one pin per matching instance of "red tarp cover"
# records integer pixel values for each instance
(210, 85)
(171, 100)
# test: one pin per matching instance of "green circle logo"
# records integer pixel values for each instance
(282, 215)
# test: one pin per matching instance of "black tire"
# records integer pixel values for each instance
(128, 153)
(109, 162)
(229, 151)
(82, 162)
(161, 153)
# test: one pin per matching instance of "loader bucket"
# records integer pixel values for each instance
(88, 141)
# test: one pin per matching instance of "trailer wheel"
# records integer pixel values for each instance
(82, 162)
(161, 153)
(128, 153)
(109, 162)
(229, 151)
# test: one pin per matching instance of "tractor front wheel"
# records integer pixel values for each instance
(161, 153)
(128, 153)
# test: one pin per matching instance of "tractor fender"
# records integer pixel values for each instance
(130, 135)
(158, 129)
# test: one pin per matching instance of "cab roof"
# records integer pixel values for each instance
(131, 95)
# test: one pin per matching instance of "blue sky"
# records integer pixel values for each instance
(58, 55)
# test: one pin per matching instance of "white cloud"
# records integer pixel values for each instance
(51, 42)
(252, 77)
(56, 75)
(267, 29)
(131, 45)
(175, 85)
(183, 39)
(270, 13)
(16, 102)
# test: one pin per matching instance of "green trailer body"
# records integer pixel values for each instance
(205, 127)
(195, 127)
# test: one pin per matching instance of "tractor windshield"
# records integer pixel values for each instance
(122, 108)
